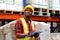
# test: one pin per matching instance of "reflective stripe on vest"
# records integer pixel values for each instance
(25, 26)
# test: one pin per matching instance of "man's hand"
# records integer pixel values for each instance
(21, 35)
(30, 34)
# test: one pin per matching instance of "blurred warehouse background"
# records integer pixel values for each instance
(47, 11)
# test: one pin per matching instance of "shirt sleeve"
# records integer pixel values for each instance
(18, 27)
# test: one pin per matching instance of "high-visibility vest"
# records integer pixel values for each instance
(26, 38)
(25, 26)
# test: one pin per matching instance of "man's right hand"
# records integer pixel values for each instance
(21, 35)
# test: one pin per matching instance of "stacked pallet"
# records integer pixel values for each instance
(9, 12)
(1, 34)
(44, 28)
(8, 32)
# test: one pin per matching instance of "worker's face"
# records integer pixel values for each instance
(28, 13)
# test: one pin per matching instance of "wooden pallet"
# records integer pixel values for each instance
(9, 12)
(41, 10)
(2, 11)
(54, 11)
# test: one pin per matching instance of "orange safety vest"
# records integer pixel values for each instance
(25, 26)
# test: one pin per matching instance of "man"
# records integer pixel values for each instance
(25, 26)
